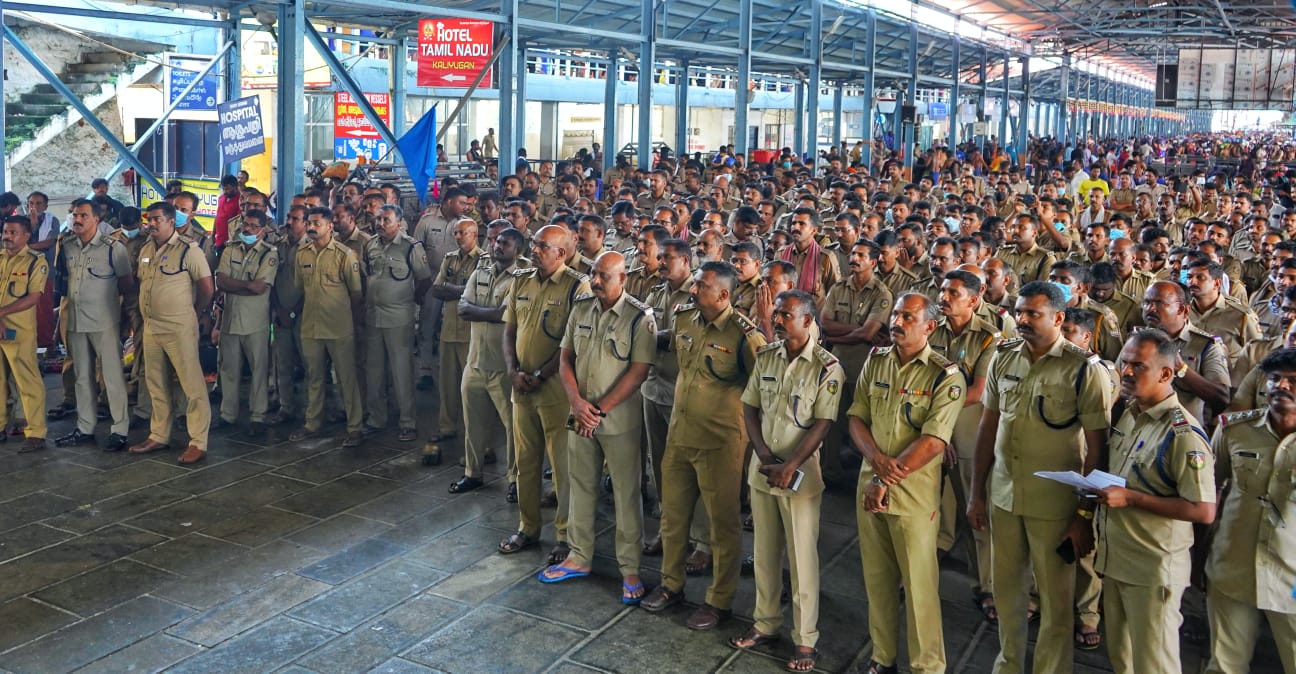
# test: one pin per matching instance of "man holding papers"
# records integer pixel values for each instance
(1146, 527)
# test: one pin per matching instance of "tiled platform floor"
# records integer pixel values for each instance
(304, 557)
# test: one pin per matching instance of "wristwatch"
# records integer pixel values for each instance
(877, 482)
(538, 374)
(1182, 371)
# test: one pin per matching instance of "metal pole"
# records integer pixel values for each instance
(646, 58)
(799, 116)
(399, 85)
(816, 77)
(507, 94)
(909, 128)
(288, 139)
(75, 101)
(1003, 104)
(682, 111)
(956, 46)
(870, 53)
(520, 115)
(610, 147)
(981, 104)
(742, 94)
(166, 114)
(234, 71)
(1062, 100)
(4, 165)
(1023, 112)
(837, 114)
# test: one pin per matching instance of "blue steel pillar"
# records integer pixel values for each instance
(233, 69)
(290, 152)
(520, 111)
(647, 28)
(1023, 112)
(981, 101)
(399, 56)
(911, 98)
(798, 116)
(870, 53)
(1003, 104)
(742, 92)
(837, 114)
(4, 167)
(956, 47)
(610, 146)
(1061, 111)
(682, 111)
(816, 80)
(508, 65)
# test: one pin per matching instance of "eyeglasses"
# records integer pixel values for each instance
(738, 261)
(663, 223)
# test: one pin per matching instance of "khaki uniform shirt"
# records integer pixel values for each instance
(167, 274)
(1161, 451)
(715, 360)
(660, 385)
(356, 242)
(392, 269)
(645, 203)
(539, 308)
(1129, 312)
(195, 233)
(328, 279)
(1136, 285)
(898, 280)
(1000, 317)
(232, 228)
(286, 291)
(248, 314)
(456, 267)
(1205, 354)
(130, 301)
(900, 403)
(847, 303)
(435, 233)
(487, 287)
(1253, 556)
(972, 351)
(828, 276)
(744, 296)
(1107, 338)
(791, 396)
(605, 343)
(1229, 320)
(93, 270)
(1029, 265)
(640, 283)
(1044, 409)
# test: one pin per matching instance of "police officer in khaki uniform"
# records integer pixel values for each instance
(746, 258)
(285, 302)
(1252, 560)
(1073, 279)
(610, 342)
(907, 401)
(1146, 527)
(1029, 262)
(398, 273)
(705, 443)
(435, 230)
(535, 319)
(246, 273)
(25, 272)
(175, 300)
(1202, 374)
(646, 273)
(789, 405)
(448, 287)
(969, 342)
(486, 391)
(853, 320)
(96, 269)
(1216, 313)
(1046, 408)
(328, 275)
(131, 321)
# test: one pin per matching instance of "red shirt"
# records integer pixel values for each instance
(226, 208)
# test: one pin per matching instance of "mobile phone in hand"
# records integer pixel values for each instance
(797, 477)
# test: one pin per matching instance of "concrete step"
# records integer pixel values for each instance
(80, 88)
(106, 68)
(92, 78)
(104, 57)
(42, 99)
(33, 110)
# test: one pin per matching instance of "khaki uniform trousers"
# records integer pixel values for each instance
(715, 475)
(453, 360)
(177, 352)
(106, 344)
(964, 440)
(585, 458)
(487, 396)
(1021, 544)
(838, 437)
(233, 350)
(1234, 626)
(287, 355)
(898, 551)
(1088, 591)
(788, 523)
(18, 359)
(1143, 628)
(390, 353)
(428, 327)
(656, 423)
(540, 431)
(342, 352)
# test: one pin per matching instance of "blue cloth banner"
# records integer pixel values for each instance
(418, 149)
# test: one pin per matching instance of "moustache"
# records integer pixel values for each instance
(898, 332)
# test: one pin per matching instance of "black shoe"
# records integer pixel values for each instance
(115, 443)
(76, 437)
(220, 423)
(61, 410)
(425, 383)
(511, 496)
(465, 484)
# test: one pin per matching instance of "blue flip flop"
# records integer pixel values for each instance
(626, 589)
(566, 574)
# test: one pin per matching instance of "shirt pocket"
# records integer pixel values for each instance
(1247, 470)
(721, 362)
(803, 404)
(620, 346)
(914, 410)
(1055, 404)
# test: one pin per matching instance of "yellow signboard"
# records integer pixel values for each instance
(208, 192)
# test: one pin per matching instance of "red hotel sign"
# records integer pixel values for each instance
(452, 51)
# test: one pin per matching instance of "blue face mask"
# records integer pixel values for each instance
(952, 223)
(248, 239)
(1183, 276)
(131, 233)
(181, 219)
(1066, 290)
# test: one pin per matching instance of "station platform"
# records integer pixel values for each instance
(273, 556)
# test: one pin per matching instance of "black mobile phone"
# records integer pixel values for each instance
(1067, 551)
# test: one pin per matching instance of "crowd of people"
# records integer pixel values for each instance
(713, 336)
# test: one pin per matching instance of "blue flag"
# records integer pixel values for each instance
(418, 149)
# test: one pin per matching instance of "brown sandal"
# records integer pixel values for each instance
(803, 661)
(751, 639)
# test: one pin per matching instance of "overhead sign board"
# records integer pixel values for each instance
(451, 52)
(353, 135)
(182, 70)
(242, 133)
(1229, 79)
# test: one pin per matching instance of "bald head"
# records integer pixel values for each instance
(975, 270)
(607, 277)
(550, 247)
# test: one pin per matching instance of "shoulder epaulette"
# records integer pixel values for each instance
(944, 363)
(1085, 354)
(1002, 311)
(879, 350)
(1233, 418)
(825, 356)
(772, 346)
(635, 270)
(683, 307)
(1010, 344)
(582, 297)
(632, 301)
(743, 322)
(528, 271)
(576, 275)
